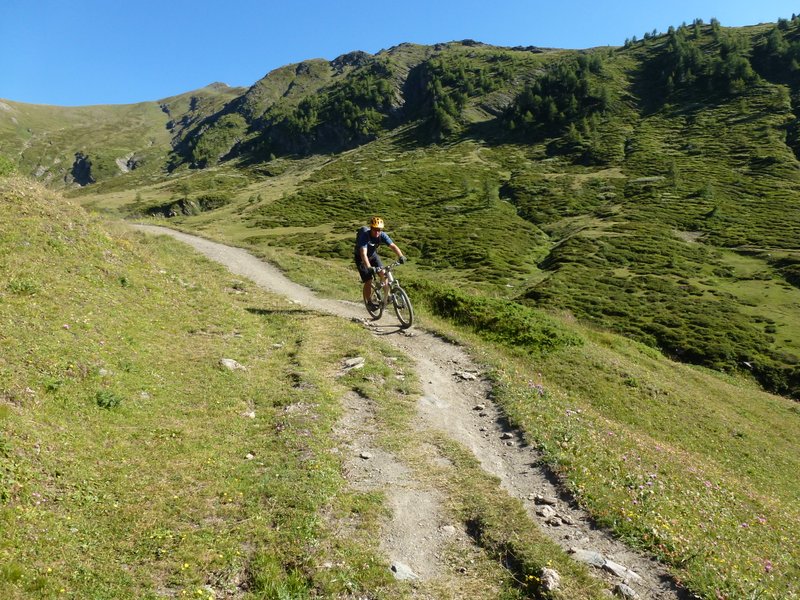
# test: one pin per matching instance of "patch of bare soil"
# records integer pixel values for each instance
(456, 400)
(414, 538)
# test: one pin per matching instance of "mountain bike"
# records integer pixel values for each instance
(378, 300)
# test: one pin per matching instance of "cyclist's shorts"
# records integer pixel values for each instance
(375, 261)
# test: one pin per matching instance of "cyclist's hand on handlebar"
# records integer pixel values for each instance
(402, 259)
(373, 270)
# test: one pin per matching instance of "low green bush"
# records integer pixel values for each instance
(509, 323)
(213, 200)
(107, 399)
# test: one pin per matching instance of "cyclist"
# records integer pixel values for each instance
(366, 253)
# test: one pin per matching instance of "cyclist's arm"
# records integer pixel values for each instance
(364, 259)
(396, 250)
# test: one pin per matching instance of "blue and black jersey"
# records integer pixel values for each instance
(364, 239)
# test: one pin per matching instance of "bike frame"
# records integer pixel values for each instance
(385, 280)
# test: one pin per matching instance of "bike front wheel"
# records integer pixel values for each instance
(402, 307)
(375, 303)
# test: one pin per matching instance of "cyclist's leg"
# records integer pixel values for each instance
(366, 276)
(366, 280)
(366, 290)
(376, 261)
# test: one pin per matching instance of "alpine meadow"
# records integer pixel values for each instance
(612, 235)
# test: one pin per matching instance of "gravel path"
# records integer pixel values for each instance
(450, 395)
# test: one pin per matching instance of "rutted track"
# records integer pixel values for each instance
(447, 405)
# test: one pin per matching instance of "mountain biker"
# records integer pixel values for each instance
(366, 253)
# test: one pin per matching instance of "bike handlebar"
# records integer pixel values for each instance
(388, 267)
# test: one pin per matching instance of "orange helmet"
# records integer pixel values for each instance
(376, 223)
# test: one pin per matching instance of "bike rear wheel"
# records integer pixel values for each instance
(402, 307)
(375, 303)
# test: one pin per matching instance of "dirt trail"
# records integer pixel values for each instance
(452, 388)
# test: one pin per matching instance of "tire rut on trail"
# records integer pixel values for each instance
(452, 389)
(416, 538)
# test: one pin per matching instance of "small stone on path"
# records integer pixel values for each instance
(623, 591)
(621, 571)
(545, 500)
(590, 557)
(546, 511)
(403, 572)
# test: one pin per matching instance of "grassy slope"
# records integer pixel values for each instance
(155, 495)
(129, 466)
(45, 138)
(695, 468)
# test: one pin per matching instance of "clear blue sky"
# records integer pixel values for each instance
(117, 52)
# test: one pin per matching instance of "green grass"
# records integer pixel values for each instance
(132, 464)
(129, 466)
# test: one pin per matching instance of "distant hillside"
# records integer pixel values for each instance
(83, 145)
